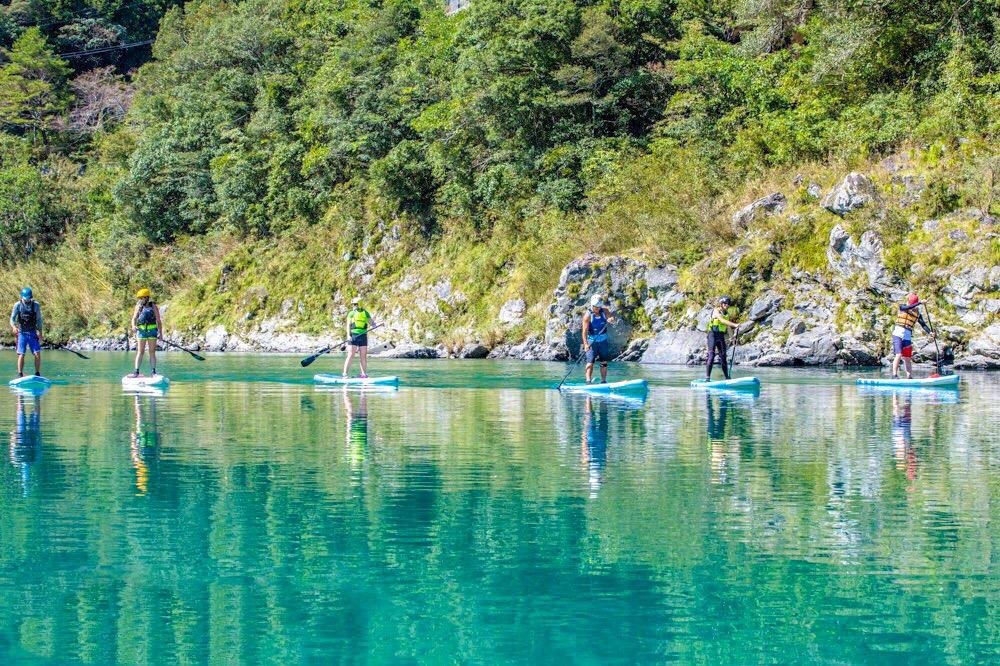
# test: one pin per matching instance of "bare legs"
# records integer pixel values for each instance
(907, 363)
(38, 363)
(362, 353)
(142, 346)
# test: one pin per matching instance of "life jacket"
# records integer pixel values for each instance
(146, 321)
(598, 331)
(718, 326)
(358, 319)
(907, 318)
(27, 317)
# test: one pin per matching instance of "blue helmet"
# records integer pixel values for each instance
(26, 293)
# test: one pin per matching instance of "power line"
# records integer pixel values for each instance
(105, 49)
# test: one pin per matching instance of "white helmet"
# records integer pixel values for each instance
(596, 301)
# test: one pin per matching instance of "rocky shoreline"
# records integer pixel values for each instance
(839, 314)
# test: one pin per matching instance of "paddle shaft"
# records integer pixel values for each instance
(72, 351)
(937, 349)
(197, 357)
(326, 350)
(732, 357)
(578, 358)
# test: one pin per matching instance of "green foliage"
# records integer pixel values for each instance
(31, 92)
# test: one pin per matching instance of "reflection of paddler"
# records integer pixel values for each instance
(145, 442)
(902, 435)
(26, 438)
(357, 426)
(594, 451)
(717, 414)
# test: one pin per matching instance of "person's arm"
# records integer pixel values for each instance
(585, 332)
(135, 316)
(349, 320)
(724, 320)
(609, 315)
(13, 319)
(159, 322)
(38, 321)
(924, 326)
(371, 321)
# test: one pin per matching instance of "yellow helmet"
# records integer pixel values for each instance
(143, 293)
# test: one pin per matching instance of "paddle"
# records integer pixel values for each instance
(577, 362)
(307, 361)
(196, 357)
(937, 349)
(72, 351)
(732, 359)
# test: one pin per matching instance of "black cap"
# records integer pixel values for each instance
(726, 300)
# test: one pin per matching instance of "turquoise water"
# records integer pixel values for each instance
(475, 515)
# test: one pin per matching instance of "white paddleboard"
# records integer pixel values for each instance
(356, 381)
(737, 383)
(29, 382)
(944, 381)
(627, 386)
(144, 381)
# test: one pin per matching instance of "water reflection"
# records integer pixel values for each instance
(145, 448)
(26, 437)
(356, 420)
(594, 452)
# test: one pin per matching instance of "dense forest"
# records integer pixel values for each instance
(178, 143)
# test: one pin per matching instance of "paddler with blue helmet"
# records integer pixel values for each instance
(595, 337)
(359, 322)
(26, 322)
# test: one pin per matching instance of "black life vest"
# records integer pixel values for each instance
(27, 317)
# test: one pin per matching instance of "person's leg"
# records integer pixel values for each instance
(711, 357)
(20, 364)
(908, 358)
(139, 347)
(895, 365)
(347, 361)
(720, 340)
(363, 356)
(38, 362)
(151, 346)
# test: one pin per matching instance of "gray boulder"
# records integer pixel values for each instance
(532, 349)
(512, 312)
(772, 203)
(855, 191)
(847, 257)
(765, 306)
(410, 350)
(475, 350)
(676, 348)
(814, 347)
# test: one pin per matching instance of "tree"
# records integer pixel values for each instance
(32, 90)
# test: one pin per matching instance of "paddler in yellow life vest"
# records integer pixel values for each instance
(148, 328)
(722, 317)
(359, 322)
(902, 334)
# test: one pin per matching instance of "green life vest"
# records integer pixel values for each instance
(718, 326)
(358, 321)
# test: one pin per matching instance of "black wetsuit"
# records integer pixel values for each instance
(717, 343)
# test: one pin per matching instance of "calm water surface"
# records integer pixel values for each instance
(476, 515)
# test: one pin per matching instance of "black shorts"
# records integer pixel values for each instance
(359, 340)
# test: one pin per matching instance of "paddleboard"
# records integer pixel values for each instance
(737, 383)
(144, 382)
(944, 381)
(30, 382)
(356, 381)
(627, 386)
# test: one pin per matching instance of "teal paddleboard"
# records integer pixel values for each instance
(737, 383)
(29, 382)
(627, 386)
(144, 382)
(356, 381)
(944, 381)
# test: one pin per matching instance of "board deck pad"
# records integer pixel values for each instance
(736, 383)
(356, 381)
(145, 381)
(627, 386)
(922, 382)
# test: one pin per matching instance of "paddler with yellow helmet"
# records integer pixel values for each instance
(147, 326)
(359, 322)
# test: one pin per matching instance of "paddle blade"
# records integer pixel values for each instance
(197, 357)
(306, 362)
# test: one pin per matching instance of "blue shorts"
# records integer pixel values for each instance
(28, 340)
(901, 346)
(599, 351)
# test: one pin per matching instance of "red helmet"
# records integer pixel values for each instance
(912, 299)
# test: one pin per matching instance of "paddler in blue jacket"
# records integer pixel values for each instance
(26, 322)
(596, 342)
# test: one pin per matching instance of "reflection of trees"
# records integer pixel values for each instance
(470, 528)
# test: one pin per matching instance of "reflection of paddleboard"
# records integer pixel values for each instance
(30, 382)
(356, 381)
(737, 383)
(945, 381)
(930, 395)
(142, 382)
(627, 386)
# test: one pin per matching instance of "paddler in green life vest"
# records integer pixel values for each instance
(359, 322)
(147, 326)
(26, 322)
(902, 334)
(722, 320)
